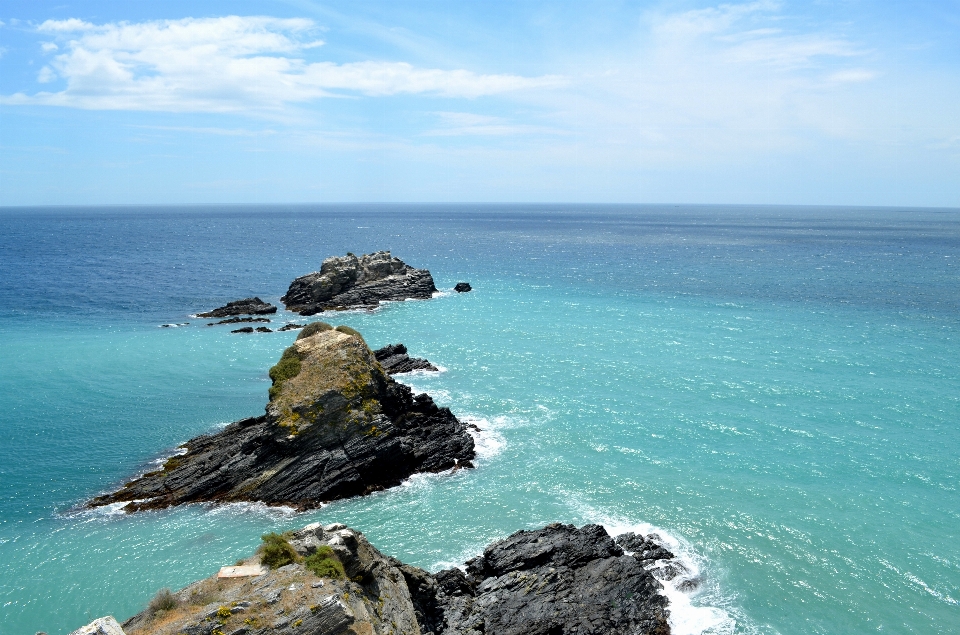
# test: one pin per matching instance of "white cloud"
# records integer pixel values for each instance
(46, 75)
(47, 47)
(458, 124)
(228, 64)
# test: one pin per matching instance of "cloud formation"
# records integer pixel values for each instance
(226, 64)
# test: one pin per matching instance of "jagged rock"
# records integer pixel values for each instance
(102, 626)
(336, 426)
(345, 282)
(394, 359)
(246, 329)
(555, 580)
(290, 327)
(643, 548)
(558, 579)
(247, 306)
(463, 287)
(263, 329)
(237, 320)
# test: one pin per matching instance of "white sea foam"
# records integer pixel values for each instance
(251, 508)
(685, 617)
(488, 441)
(423, 372)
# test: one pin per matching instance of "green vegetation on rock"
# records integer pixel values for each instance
(313, 328)
(325, 564)
(287, 368)
(276, 551)
(343, 328)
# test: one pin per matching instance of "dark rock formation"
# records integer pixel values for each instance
(336, 426)
(290, 327)
(556, 580)
(263, 329)
(247, 306)
(246, 329)
(463, 287)
(394, 359)
(345, 282)
(237, 320)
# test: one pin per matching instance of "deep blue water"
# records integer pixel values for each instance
(775, 390)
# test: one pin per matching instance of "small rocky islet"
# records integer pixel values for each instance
(347, 282)
(337, 425)
(331, 581)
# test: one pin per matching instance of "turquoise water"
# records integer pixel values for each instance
(774, 390)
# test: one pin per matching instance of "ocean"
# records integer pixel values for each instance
(775, 391)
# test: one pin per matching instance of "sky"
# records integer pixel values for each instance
(168, 102)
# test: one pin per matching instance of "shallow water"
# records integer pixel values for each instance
(773, 389)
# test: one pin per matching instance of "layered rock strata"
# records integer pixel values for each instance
(247, 306)
(394, 359)
(555, 580)
(337, 425)
(345, 282)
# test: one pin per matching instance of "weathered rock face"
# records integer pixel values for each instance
(394, 359)
(371, 598)
(463, 287)
(555, 580)
(247, 306)
(101, 626)
(336, 426)
(345, 282)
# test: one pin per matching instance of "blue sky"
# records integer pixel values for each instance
(842, 102)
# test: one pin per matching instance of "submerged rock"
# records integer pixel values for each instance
(463, 287)
(345, 282)
(247, 306)
(555, 580)
(394, 359)
(237, 320)
(336, 426)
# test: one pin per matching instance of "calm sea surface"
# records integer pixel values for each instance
(776, 391)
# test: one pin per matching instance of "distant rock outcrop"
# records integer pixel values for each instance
(332, 581)
(394, 360)
(336, 426)
(345, 282)
(247, 306)
(463, 287)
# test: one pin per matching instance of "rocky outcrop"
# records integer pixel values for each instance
(237, 320)
(394, 360)
(559, 579)
(336, 426)
(101, 626)
(463, 287)
(247, 306)
(555, 580)
(345, 282)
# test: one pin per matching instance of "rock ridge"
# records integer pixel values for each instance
(558, 580)
(247, 306)
(345, 282)
(336, 426)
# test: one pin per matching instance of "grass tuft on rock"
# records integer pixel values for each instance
(313, 328)
(275, 551)
(325, 564)
(164, 600)
(287, 368)
(343, 328)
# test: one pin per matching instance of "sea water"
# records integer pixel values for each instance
(775, 392)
